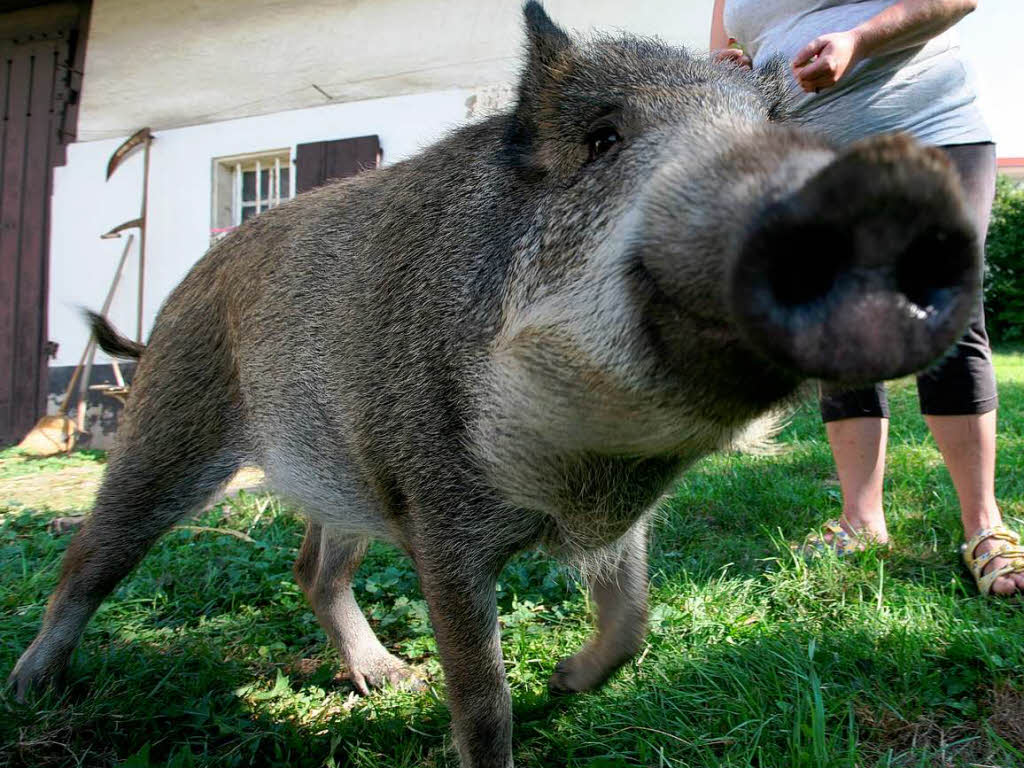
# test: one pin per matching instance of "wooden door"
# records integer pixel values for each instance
(318, 162)
(36, 85)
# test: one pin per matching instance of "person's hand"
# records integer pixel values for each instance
(734, 55)
(823, 61)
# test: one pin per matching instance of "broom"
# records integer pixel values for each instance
(57, 433)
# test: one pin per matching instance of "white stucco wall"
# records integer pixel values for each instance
(85, 206)
(247, 57)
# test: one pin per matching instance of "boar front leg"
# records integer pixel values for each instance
(458, 574)
(324, 569)
(619, 590)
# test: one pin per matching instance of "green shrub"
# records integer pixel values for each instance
(1004, 253)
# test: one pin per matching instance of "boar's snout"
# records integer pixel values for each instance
(867, 272)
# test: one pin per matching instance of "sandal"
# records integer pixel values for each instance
(1008, 547)
(841, 542)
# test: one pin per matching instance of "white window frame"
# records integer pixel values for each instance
(228, 173)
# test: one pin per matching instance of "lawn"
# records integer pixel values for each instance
(209, 655)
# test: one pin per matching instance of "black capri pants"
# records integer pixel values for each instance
(964, 382)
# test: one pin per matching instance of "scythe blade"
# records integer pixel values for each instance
(137, 139)
(121, 227)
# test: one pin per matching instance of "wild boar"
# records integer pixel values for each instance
(521, 337)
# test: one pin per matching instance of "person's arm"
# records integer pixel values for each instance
(720, 40)
(823, 61)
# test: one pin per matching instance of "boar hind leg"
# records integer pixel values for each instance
(619, 591)
(324, 569)
(165, 467)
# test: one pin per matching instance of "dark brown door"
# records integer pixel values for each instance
(321, 161)
(36, 74)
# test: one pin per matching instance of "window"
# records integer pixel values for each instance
(245, 185)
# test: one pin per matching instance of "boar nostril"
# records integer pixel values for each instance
(934, 262)
(809, 267)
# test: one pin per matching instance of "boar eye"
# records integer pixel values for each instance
(601, 139)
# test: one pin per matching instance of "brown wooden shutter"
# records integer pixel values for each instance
(318, 162)
(37, 85)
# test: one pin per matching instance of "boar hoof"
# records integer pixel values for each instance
(386, 672)
(34, 673)
(575, 675)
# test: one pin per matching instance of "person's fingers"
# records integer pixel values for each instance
(808, 52)
(818, 84)
(824, 65)
(822, 78)
(728, 54)
(733, 55)
(825, 79)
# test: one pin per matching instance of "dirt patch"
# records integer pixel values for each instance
(248, 479)
(1007, 718)
(946, 744)
(74, 488)
(946, 737)
(68, 488)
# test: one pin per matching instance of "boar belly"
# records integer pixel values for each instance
(331, 493)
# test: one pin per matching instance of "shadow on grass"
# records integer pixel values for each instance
(180, 698)
(191, 695)
(787, 695)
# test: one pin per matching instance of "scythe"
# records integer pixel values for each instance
(141, 138)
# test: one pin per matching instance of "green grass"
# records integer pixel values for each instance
(14, 463)
(209, 655)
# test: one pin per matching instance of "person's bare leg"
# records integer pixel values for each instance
(858, 447)
(968, 445)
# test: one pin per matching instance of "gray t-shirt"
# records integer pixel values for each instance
(924, 90)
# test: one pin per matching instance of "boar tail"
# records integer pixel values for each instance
(110, 341)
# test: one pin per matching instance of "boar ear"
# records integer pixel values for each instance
(546, 54)
(547, 44)
(547, 39)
